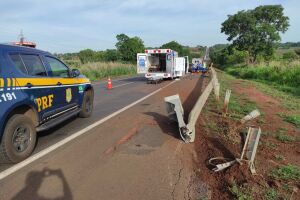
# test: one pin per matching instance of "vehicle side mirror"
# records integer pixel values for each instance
(75, 72)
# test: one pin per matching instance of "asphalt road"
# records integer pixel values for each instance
(136, 154)
(124, 92)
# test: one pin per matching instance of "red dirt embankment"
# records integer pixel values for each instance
(223, 136)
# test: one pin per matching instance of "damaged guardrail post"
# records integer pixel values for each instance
(216, 84)
(226, 102)
(175, 112)
(217, 90)
(250, 146)
(250, 116)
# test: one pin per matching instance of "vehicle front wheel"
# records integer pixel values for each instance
(18, 140)
(87, 104)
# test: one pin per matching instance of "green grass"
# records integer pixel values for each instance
(290, 101)
(286, 172)
(279, 135)
(261, 121)
(283, 137)
(271, 194)
(203, 198)
(241, 192)
(286, 74)
(267, 143)
(238, 106)
(212, 126)
(99, 70)
(279, 157)
(293, 119)
(278, 75)
(287, 187)
(271, 145)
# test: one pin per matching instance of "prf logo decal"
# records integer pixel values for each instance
(44, 102)
(68, 95)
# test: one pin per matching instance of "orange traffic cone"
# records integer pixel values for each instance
(109, 84)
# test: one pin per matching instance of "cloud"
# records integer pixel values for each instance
(72, 25)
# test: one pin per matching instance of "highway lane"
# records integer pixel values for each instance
(136, 154)
(124, 92)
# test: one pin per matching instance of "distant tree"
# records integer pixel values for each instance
(217, 52)
(122, 39)
(98, 56)
(86, 55)
(217, 47)
(129, 47)
(227, 56)
(288, 45)
(176, 47)
(290, 56)
(257, 30)
(111, 55)
(297, 51)
(196, 55)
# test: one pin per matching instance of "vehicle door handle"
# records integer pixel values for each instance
(58, 83)
(29, 85)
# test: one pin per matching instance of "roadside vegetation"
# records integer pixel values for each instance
(276, 72)
(239, 106)
(282, 136)
(109, 63)
(263, 74)
(276, 161)
(255, 52)
(120, 61)
(101, 70)
(241, 192)
(286, 172)
(293, 119)
(280, 72)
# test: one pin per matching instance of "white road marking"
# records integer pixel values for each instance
(114, 80)
(46, 151)
(122, 85)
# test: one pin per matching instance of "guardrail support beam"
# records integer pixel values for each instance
(175, 111)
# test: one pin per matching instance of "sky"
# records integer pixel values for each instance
(61, 26)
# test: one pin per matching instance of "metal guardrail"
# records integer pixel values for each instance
(187, 131)
(176, 111)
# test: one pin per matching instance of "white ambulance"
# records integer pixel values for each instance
(160, 64)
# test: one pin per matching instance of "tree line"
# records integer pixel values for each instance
(253, 36)
(126, 51)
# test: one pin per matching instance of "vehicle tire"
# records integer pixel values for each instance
(87, 104)
(18, 140)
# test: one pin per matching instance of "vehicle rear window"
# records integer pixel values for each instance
(34, 65)
(16, 59)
